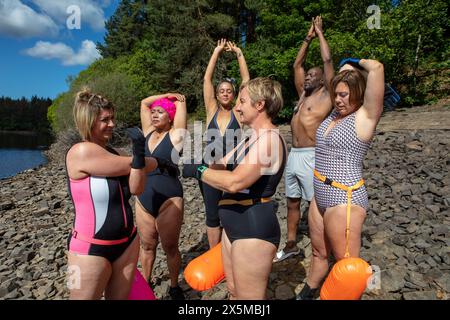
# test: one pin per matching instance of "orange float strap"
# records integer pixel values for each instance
(347, 279)
(349, 191)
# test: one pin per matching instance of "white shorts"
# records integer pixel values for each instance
(299, 178)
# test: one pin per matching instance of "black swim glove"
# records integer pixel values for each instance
(138, 141)
(194, 170)
(168, 166)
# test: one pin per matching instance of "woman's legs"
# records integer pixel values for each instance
(211, 197)
(318, 268)
(327, 235)
(335, 222)
(214, 235)
(148, 234)
(123, 270)
(227, 266)
(89, 276)
(168, 224)
(293, 219)
(251, 265)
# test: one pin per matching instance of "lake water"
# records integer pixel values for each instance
(21, 151)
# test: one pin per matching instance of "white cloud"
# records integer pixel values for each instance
(91, 11)
(19, 20)
(87, 54)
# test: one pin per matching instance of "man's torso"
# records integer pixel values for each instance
(309, 114)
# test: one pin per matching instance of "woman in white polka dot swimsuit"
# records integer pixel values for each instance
(342, 141)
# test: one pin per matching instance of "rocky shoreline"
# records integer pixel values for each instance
(406, 233)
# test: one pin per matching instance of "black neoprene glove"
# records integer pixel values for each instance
(138, 141)
(194, 170)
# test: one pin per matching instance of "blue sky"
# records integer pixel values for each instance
(38, 48)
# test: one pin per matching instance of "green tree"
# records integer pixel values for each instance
(165, 45)
(124, 29)
(24, 114)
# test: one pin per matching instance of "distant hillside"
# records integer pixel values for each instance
(24, 115)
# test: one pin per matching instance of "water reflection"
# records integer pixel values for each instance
(14, 140)
(14, 161)
(21, 151)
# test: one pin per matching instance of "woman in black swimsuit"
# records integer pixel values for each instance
(223, 130)
(159, 209)
(248, 215)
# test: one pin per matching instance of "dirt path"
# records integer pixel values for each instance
(435, 117)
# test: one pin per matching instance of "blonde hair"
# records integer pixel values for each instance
(86, 108)
(267, 90)
(356, 85)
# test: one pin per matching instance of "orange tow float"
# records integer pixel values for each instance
(348, 278)
(205, 271)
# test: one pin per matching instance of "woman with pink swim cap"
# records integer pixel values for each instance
(159, 209)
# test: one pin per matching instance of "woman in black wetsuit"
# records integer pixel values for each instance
(248, 215)
(159, 209)
(223, 129)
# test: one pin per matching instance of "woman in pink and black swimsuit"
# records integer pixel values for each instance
(103, 245)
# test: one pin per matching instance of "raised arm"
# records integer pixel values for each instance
(243, 69)
(299, 71)
(374, 94)
(180, 121)
(209, 95)
(325, 53)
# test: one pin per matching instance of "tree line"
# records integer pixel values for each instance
(24, 115)
(165, 45)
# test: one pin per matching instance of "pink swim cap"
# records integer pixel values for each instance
(167, 105)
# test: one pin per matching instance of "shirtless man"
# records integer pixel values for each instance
(313, 107)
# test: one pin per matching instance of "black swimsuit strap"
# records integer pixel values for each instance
(212, 124)
(247, 149)
(238, 149)
(233, 121)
